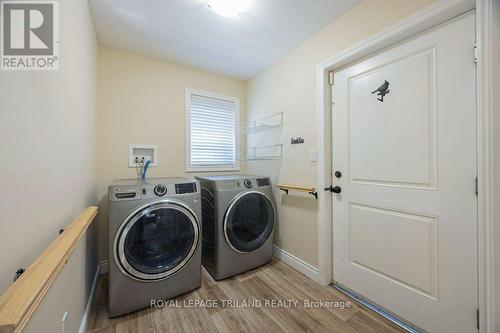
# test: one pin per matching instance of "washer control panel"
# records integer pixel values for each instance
(247, 183)
(133, 189)
(185, 188)
(160, 190)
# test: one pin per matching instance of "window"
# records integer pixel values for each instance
(212, 136)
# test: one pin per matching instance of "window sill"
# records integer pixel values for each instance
(201, 170)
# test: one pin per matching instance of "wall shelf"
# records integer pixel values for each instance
(287, 188)
(274, 120)
(263, 153)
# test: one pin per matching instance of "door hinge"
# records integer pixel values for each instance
(475, 53)
(330, 78)
(477, 319)
(477, 187)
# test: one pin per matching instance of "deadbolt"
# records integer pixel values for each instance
(338, 174)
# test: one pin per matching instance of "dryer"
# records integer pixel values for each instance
(154, 241)
(239, 215)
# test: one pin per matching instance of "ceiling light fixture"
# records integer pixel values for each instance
(229, 8)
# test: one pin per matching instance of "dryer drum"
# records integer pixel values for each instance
(249, 221)
(157, 241)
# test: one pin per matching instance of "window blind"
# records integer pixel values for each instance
(213, 132)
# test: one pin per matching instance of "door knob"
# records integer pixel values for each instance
(334, 189)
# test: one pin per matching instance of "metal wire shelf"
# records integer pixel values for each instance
(274, 120)
(264, 153)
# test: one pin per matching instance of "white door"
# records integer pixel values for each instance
(405, 223)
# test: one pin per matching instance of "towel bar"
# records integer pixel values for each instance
(287, 188)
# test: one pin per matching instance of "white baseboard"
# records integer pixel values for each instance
(103, 267)
(90, 302)
(300, 265)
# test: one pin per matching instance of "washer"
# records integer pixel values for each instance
(154, 241)
(239, 215)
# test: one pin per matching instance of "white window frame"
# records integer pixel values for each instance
(219, 168)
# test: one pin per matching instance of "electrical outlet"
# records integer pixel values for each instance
(65, 322)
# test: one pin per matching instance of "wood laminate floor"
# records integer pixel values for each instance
(283, 292)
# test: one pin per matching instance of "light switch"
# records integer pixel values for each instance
(313, 156)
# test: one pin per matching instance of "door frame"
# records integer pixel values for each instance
(429, 17)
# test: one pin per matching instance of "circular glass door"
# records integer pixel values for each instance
(157, 241)
(249, 221)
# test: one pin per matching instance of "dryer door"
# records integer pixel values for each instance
(249, 221)
(157, 241)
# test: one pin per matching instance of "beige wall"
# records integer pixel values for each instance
(69, 292)
(290, 86)
(48, 172)
(142, 101)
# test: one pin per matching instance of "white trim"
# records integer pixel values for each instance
(324, 179)
(236, 166)
(429, 17)
(486, 209)
(90, 303)
(294, 262)
(423, 20)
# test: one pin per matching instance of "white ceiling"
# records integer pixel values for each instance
(187, 32)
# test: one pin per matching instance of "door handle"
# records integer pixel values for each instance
(334, 189)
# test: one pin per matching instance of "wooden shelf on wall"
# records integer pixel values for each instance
(21, 300)
(287, 188)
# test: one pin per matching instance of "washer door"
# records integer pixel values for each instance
(249, 221)
(157, 241)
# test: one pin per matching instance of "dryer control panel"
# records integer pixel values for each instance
(239, 182)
